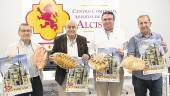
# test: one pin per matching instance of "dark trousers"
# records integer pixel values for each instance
(36, 87)
(141, 86)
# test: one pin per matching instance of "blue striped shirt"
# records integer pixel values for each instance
(133, 48)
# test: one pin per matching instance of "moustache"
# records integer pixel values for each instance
(71, 31)
(145, 27)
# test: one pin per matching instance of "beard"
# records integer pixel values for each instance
(145, 30)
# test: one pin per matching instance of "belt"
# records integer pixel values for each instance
(34, 78)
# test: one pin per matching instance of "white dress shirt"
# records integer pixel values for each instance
(72, 49)
(101, 39)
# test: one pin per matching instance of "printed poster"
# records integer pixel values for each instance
(111, 72)
(77, 78)
(15, 75)
(152, 53)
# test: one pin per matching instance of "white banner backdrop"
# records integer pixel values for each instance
(87, 13)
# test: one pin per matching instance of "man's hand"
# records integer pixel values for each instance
(51, 57)
(85, 57)
(164, 45)
(146, 66)
(121, 51)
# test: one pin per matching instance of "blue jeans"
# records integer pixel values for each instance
(141, 86)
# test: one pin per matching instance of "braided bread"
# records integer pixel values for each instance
(98, 62)
(64, 61)
(40, 57)
(133, 64)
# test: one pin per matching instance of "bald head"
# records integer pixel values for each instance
(71, 29)
(71, 22)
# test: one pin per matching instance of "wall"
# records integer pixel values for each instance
(158, 10)
(10, 19)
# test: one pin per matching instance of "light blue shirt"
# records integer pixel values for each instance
(133, 48)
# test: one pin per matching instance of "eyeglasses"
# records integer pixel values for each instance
(26, 30)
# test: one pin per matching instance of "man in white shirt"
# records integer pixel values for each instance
(26, 46)
(109, 38)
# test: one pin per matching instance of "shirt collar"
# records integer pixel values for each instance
(108, 32)
(21, 43)
(142, 36)
(73, 40)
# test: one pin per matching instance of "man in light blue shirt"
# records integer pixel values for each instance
(142, 82)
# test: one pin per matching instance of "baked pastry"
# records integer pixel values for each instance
(133, 64)
(40, 57)
(98, 62)
(64, 61)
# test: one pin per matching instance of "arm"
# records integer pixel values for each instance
(54, 49)
(163, 44)
(86, 55)
(131, 47)
(56, 45)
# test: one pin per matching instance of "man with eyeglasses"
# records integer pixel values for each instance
(74, 45)
(27, 46)
(137, 47)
